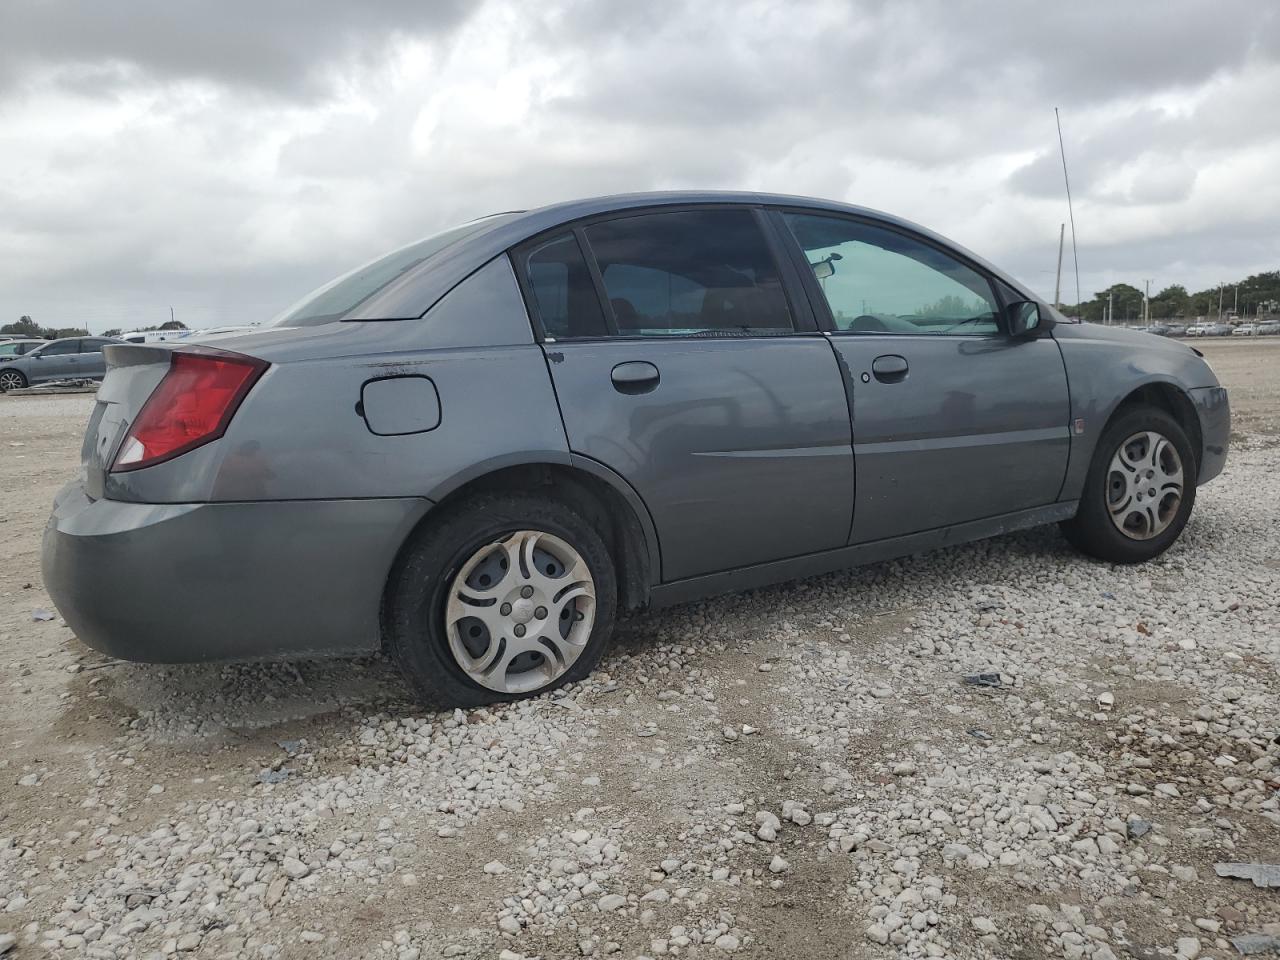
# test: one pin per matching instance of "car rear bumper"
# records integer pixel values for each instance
(183, 583)
(1214, 410)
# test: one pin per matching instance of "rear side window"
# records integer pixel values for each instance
(690, 273)
(562, 290)
(61, 348)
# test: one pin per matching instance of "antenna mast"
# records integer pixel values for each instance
(1070, 212)
(1057, 284)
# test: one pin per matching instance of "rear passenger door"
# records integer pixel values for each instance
(679, 362)
(92, 362)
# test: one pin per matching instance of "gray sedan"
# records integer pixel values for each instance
(479, 450)
(72, 358)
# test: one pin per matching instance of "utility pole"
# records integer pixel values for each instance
(171, 314)
(1220, 286)
(1057, 284)
(1236, 309)
(1111, 307)
(1146, 302)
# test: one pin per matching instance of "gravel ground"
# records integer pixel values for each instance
(797, 772)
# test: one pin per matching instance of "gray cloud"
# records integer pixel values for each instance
(224, 158)
(291, 48)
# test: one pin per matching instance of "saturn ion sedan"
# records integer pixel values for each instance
(480, 450)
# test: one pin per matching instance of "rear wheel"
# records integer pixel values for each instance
(1139, 491)
(11, 380)
(508, 595)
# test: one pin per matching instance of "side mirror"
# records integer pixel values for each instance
(826, 267)
(1024, 318)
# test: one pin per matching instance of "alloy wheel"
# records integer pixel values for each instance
(9, 380)
(520, 611)
(1144, 485)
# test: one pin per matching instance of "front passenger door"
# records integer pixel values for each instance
(953, 420)
(56, 361)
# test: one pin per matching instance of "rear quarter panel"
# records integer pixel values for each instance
(1104, 365)
(299, 436)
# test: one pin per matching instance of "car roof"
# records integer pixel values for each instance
(418, 289)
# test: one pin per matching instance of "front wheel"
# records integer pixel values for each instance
(11, 380)
(506, 596)
(1139, 491)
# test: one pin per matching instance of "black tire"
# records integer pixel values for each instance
(9, 375)
(413, 616)
(1091, 530)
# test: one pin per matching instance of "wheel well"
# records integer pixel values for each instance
(599, 504)
(1167, 397)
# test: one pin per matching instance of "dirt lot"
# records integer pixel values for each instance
(798, 772)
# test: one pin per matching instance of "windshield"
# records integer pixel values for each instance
(339, 297)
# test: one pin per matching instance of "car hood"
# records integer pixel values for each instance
(1119, 335)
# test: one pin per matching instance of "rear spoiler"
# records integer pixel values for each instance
(137, 354)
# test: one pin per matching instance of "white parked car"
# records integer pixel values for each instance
(155, 336)
(1197, 329)
(1246, 330)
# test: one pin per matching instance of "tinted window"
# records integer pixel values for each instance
(562, 290)
(339, 297)
(61, 348)
(690, 273)
(94, 346)
(10, 349)
(879, 281)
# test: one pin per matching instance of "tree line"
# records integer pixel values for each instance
(26, 327)
(1175, 303)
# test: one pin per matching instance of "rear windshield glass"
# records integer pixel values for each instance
(339, 297)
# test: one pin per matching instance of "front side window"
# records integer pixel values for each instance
(878, 281)
(61, 348)
(690, 273)
(10, 350)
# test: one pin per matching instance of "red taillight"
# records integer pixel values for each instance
(191, 406)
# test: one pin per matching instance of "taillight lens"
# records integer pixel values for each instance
(191, 406)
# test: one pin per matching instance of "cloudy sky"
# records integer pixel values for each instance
(224, 158)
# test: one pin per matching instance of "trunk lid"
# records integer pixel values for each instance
(133, 372)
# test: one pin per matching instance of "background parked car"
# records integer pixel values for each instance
(13, 348)
(1219, 330)
(1269, 328)
(1176, 330)
(72, 358)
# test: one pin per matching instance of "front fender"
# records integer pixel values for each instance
(1105, 366)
